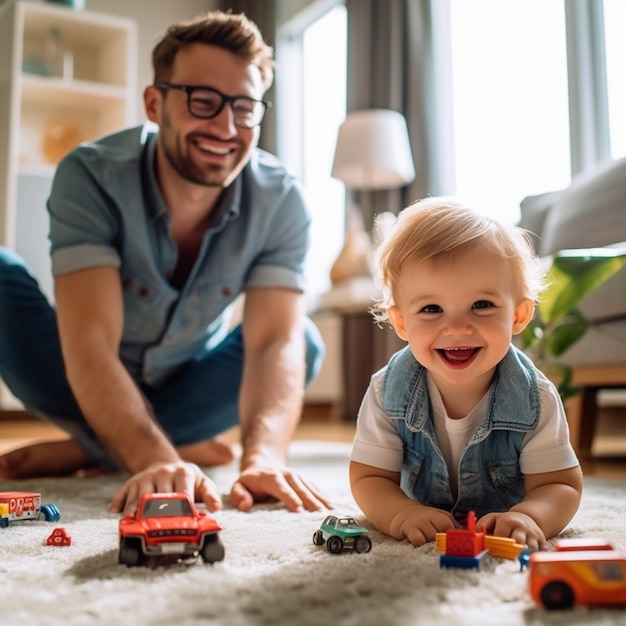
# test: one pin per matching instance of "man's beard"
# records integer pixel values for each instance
(184, 166)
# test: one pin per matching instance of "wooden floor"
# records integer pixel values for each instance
(321, 423)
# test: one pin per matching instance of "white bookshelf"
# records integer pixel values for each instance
(66, 76)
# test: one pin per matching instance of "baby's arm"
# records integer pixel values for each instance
(378, 494)
(551, 500)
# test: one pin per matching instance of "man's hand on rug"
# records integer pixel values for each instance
(420, 524)
(515, 525)
(167, 477)
(259, 484)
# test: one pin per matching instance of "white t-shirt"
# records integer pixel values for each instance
(545, 449)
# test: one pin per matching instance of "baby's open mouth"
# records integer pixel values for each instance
(457, 355)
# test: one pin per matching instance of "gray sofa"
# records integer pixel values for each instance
(591, 212)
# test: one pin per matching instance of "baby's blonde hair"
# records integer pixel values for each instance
(442, 228)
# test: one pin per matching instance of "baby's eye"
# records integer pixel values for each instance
(431, 308)
(482, 304)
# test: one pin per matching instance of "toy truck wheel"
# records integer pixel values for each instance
(212, 549)
(557, 595)
(363, 544)
(318, 538)
(334, 545)
(130, 552)
(4, 522)
(50, 513)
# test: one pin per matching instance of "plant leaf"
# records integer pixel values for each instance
(573, 275)
(566, 333)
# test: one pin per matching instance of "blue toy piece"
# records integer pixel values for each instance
(50, 512)
(524, 558)
(462, 562)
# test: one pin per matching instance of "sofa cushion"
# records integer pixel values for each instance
(591, 212)
(533, 213)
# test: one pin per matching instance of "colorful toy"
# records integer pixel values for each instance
(168, 526)
(342, 533)
(466, 548)
(59, 537)
(578, 573)
(25, 505)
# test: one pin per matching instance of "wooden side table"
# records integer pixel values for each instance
(366, 348)
(582, 410)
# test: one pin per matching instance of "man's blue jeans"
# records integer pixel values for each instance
(196, 403)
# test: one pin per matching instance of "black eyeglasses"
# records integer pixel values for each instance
(207, 103)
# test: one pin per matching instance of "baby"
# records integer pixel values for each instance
(460, 420)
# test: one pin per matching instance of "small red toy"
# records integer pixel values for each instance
(25, 505)
(59, 537)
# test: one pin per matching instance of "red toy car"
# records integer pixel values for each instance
(168, 525)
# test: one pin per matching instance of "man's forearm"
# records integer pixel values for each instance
(270, 402)
(116, 410)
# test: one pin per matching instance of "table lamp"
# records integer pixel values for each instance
(372, 152)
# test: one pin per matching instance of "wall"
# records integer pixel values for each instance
(152, 19)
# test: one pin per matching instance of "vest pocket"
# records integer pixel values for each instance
(508, 482)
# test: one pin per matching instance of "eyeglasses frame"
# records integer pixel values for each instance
(189, 89)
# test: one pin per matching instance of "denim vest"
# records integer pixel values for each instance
(489, 474)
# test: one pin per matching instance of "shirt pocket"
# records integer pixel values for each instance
(146, 307)
(211, 296)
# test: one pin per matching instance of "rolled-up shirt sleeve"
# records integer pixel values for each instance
(83, 226)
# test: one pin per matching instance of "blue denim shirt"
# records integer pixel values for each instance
(106, 209)
(489, 475)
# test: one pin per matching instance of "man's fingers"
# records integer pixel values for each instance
(311, 497)
(166, 478)
(240, 497)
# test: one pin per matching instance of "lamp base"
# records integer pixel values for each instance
(355, 256)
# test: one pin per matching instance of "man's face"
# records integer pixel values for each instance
(208, 152)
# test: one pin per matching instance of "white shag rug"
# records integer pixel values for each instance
(272, 573)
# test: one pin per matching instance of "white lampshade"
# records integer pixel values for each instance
(373, 150)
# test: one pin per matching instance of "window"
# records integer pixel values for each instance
(311, 94)
(510, 102)
(614, 27)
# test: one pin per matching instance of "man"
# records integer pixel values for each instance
(154, 233)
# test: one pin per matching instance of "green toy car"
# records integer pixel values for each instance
(342, 533)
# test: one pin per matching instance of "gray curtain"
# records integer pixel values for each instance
(390, 66)
(263, 14)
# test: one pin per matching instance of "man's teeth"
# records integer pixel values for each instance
(213, 149)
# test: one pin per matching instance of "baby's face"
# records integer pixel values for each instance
(459, 315)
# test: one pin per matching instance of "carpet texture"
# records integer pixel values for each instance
(272, 573)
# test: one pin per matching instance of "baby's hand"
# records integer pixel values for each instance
(518, 526)
(420, 524)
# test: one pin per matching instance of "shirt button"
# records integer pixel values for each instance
(227, 291)
(144, 292)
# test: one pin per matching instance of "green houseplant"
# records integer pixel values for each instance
(558, 323)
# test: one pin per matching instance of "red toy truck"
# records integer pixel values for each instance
(25, 505)
(168, 525)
